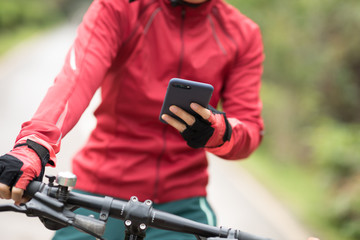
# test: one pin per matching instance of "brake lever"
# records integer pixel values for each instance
(12, 207)
(54, 213)
(37, 208)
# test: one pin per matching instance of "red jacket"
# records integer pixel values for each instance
(131, 51)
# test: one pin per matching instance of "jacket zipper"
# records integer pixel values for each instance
(183, 13)
(158, 161)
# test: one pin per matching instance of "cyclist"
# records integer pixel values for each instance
(131, 49)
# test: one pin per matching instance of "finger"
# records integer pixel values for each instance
(16, 195)
(25, 199)
(173, 122)
(5, 191)
(187, 117)
(203, 112)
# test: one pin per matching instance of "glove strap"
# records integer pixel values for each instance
(228, 128)
(41, 151)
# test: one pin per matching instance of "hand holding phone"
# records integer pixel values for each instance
(182, 93)
(197, 123)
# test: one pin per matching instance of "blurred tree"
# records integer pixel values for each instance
(19, 13)
(311, 94)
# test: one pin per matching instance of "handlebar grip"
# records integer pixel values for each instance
(33, 188)
(89, 224)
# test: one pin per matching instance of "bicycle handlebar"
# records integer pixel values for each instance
(54, 205)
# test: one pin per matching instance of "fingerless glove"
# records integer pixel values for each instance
(210, 133)
(24, 163)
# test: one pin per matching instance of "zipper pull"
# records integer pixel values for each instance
(183, 13)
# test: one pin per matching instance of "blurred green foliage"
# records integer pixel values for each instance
(311, 95)
(19, 13)
(20, 19)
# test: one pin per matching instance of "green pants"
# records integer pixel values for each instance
(197, 209)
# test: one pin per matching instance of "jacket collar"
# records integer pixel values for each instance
(177, 10)
(175, 3)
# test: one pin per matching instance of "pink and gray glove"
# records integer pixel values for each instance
(23, 164)
(206, 127)
(210, 133)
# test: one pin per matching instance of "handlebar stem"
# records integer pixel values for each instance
(137, 218)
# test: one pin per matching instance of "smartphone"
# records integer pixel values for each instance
(181, 92)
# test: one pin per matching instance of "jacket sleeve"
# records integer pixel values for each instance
(87, 62)
(240, 97)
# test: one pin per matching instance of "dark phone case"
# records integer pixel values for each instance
(182, 92)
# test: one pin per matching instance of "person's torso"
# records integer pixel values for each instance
(130, 148)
